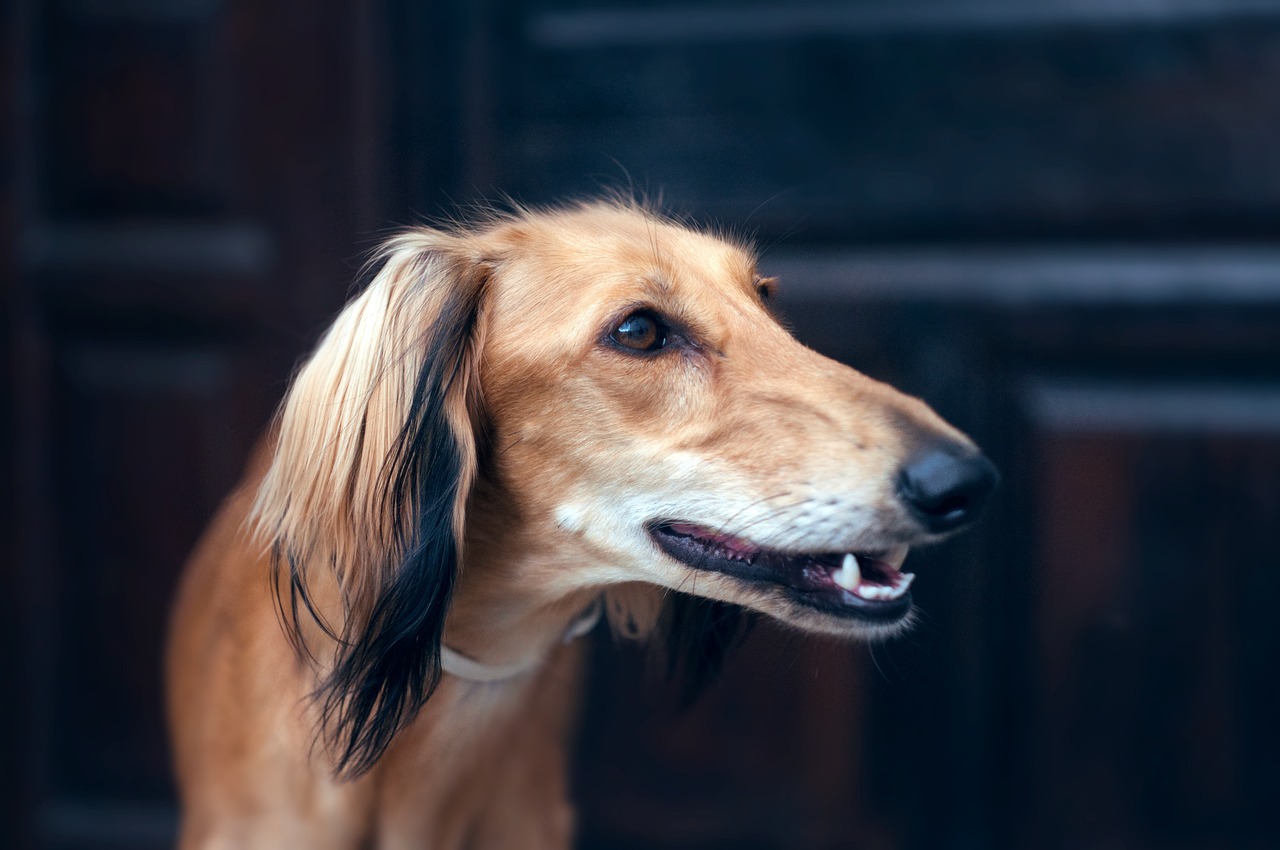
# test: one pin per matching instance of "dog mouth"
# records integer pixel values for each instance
(868, 586)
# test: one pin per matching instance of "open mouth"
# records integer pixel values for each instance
(864, 585)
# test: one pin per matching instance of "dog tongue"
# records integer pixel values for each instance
(722, 540)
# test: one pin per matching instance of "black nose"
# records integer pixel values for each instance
(946, 485)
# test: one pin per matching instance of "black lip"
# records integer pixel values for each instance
(795, 574)
(881, 612)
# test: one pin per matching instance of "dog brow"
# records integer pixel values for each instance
(660, 280)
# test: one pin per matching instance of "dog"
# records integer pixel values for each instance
(519, 425)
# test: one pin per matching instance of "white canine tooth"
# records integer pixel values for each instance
(848, 576)
(850, 566)
(906, 580)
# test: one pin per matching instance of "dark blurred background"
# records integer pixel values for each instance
(1056, 220)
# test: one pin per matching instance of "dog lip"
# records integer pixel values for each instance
(805, 578)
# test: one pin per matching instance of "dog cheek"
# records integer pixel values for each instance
(653, 395)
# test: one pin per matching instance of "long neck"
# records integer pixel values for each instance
(516, 595)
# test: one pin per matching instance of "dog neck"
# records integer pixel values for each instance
(514, 603)
(462, 666)
(519, 594)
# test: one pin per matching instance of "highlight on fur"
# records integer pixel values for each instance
(375, 459)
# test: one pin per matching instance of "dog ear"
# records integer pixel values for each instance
(375, 458)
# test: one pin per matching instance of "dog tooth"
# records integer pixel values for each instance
(848, 575)
(851, 568)
(899, 588)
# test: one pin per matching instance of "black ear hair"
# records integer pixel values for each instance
(379, 682)
(375, 458)
(700, 635)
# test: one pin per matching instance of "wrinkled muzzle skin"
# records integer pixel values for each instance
(732, 427)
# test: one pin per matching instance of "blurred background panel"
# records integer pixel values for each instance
(1056, 220)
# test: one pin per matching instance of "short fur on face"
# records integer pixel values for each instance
(515, 419)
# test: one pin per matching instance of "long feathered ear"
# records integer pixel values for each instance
(365, 497)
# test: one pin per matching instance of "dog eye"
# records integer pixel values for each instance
(764, 287)
(641, 331)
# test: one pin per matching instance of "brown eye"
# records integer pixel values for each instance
(641, 331)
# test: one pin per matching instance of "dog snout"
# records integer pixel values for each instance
(946, 485)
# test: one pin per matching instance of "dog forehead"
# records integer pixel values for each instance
(577, 264)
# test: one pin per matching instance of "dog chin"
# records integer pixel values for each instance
(777, 604)
(849, 628)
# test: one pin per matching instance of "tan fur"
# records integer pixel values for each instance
(569, 446)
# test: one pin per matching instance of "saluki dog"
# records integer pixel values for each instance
(518, 423)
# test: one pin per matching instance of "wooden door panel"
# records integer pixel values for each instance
(149, 440)
(187, 189)
(1155, 565)
(136, 118)
(779, 769)
(876, 121)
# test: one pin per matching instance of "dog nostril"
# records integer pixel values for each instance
(946, 485)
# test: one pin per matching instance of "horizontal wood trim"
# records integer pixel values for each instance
(1126, 407)
(232, 249)
(187, 372)
(146, 11)
(1085, 276)
(125, 823)
(595, 28)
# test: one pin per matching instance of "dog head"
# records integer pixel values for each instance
(602, 399)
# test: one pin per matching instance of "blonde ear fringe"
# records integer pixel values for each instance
(365, 496)
(338, 425)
